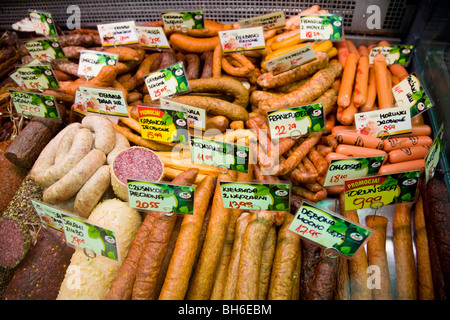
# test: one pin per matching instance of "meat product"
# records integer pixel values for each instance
(15, 241)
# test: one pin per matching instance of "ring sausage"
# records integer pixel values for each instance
(103, 128)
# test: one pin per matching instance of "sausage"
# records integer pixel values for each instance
(255, 235)
(359, 140)
(144, 68)
(347, 81)
(371, 92)
(84, 40)
(328, 99)
(266, 263)
(342, 280)
(361, 82)
(381, 74)
(376, 252)
(103, 128)
(155, 249)
(211, 29)
(269, 81)
(207, 57)
(363, 51)
(424, 271)
(120, 143)
(399, 71)
(73, 52)
(311, 196)
(343, 51)
(217, 61)
(167, 59)
(229, 68)
(65, 143)
(402, 167)
(405, 268)
(406, 142)
(408, 154)
(92, 191)
(195, 45)
(319, 161)
(356, 152)
(417, 130)
(284, 263)
(347, 116)
(66, 187)
(336, 156)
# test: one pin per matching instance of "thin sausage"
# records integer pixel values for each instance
(381, 75)
(357, 139)
(408, 154)
(361, 82)
(406, 142)
(405, 166)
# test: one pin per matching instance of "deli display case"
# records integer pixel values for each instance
(112, 182)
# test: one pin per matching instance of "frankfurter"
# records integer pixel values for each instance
(406, 142)
(408, 154)
(399, 71)
(355, 152)
(195, 45)
(358, 140)
(348, 80)
(361, 82)
(412, 165)
(371, 92)
(381, 76)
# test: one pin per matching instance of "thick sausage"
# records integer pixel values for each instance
(121, 143)
(356, 152)
(402, 167)
(361, 81)
(358, 140)
(348, 79)
(196, 45)
(406, 142)
(207, 57)
(408, 154)
(103, 128)
(266, 263)
(65, 143)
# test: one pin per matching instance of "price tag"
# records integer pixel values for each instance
(267, 22)
(79, 232)
(340, 170)
(101, 100)
(119, 33)
(34, 104)
(388, 189)
(183, 21)
(321, 27)
(163, 197)
(45, 50)
(224, 155)
(435, 152)
(43, 23)
(291, 60)
(165, 125)
(409, 93)
(196, 117)
(256, 196)
(152, 37)
(91, 62)
(379, 123)
(296, 122)
(167, 82)
(40, 77)
(393, 54)
(329, 230)
(242, 39)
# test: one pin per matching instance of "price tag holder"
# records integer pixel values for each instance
(152, 37)
(163, 124)
(410, 93)
(183, 21)
(163, 197)
(296, 122)
(101, 101)
(167, 82)
(34, 104)
(118, 33)
(393, 54)
(224, 155)
(43, 23)
(291, 60)
(341, 170)
(269, 21)
(256, 196)
(379, 123)
(196, 117)
(242, 39)
(91, 62)
(434, 154)
(329, 230)
(45, 50)
(38, 77)
(387, 189)
(321, 27)
(79, 232)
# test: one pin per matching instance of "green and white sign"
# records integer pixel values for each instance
(321, 27)
(433, 156)
(43, 23)
(101, 100)
(45, 50)
(152, 37)
(410, 93)
(291, 60)
(79, 232)
(226, 156)
(167, 82)
(162, 197)
(268, 21)
(242, 39)
(196, 117)
(91, 62)
(183, 21)
(40, 77)
(340, 170)
(34, 104)
(118, 33)
(329, 230)
(256, 196)
(379, 123)
(295, 122)
(393, 54)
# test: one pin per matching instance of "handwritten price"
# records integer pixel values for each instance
(159, 92)
(30, 109)
(337, 178)
(305, 230)
(146, 205)
(154, 135)
(279, 130)
(77, 241)
(238, 205)
(362, 202)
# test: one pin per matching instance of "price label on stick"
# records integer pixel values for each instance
(167, 82)
(163, 197)
(40, 77)
(329, 230)
(242, 39)
(34, 104)
(45, 50)
(196, 117)
(256, 196)
(321, 27)
(101, 100)
(393, 54)
(119, 33)
(152, 37)
(375, 191)
(91, 62)
(434, 154)
(267, 22)
(291, 60)
(43, 23)
(409, 93)
(379, 123)
(183, 21)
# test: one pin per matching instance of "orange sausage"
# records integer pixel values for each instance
(330, 121)
(347, 81)
(363, 51)
(371, 92)
(348, 114)
(358, 140)
(356, 152)
(343, 51)
(361, 82)
(402, 167)
(343, 128)
(383, 43)
(418, 130)
(407, 142)
(352, 48)
(399, 71)
(196, 45)
(408, 154)
(381, 76)
(336, 156)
